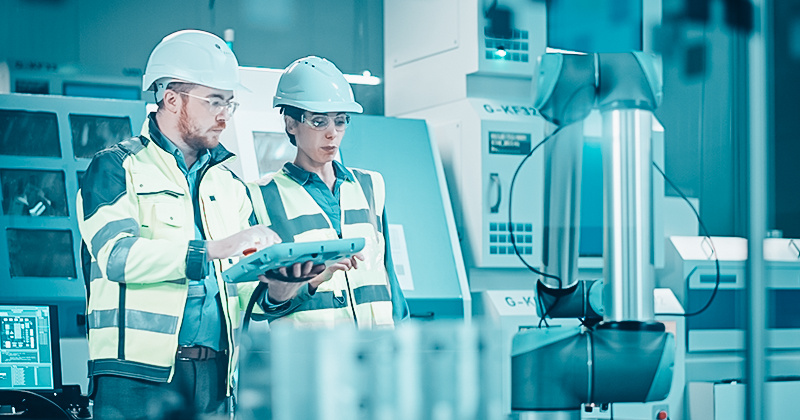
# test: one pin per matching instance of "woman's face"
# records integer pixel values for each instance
(318, 136)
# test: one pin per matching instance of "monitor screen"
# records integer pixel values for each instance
(29, 347)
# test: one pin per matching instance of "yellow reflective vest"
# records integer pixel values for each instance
(359, 295)
(135, 214)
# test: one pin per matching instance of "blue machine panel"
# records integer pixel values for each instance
(784, 308)
(401, 150)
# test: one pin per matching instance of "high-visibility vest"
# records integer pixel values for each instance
(137, 222)
(359, 295)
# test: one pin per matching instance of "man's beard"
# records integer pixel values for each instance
(193, 137)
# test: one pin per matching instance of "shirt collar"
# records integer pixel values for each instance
(302, 176)
(156, 135)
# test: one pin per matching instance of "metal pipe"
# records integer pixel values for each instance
(627, 240)
(758, 46)
(563, 161)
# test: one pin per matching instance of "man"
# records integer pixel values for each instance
(162, 217)
(318, 198)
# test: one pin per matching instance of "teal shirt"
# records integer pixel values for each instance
(327, 200)
(202, 319)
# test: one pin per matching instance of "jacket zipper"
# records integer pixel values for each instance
(220, 301)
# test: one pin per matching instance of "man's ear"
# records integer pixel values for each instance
(172, 101)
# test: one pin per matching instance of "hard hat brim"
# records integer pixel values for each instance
(320, 107)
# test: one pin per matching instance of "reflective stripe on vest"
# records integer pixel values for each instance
(363, 294)
(138, 320)
(366, 184)
(280, 223)
(371, 293)
(111, 230)
(119, 256)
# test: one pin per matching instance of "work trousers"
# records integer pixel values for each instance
(197, 391)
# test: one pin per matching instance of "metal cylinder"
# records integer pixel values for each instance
(548, 415)
(554, 372)
(563, 161)
(627, 196)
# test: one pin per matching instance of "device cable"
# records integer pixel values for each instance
(510, 202)
(48, 400)
(257, 294)
(705, 233)
(543, 318)
(490, 10)
(559, 126)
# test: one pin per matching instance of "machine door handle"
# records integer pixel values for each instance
(708, 248)
(494, 181)
(793, 247)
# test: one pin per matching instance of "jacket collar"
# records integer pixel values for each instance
(302, 176)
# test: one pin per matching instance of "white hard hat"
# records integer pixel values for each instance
(316, 85)
(194, 57)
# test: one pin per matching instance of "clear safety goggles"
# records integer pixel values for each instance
(215, 105)
(320, 122)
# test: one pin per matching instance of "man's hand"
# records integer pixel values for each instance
(299, 274)
(257, 237)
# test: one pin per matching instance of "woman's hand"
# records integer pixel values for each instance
(284, 282)
(345, 264)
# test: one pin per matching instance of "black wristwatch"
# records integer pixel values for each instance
(196, 263)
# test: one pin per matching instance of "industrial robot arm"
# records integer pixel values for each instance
(628, 357)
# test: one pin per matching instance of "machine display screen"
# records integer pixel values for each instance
(34, 193)
(726, 311)
(24, 133)
(595, 26)
(92, 133)
(509, 143)
(29, 347)
(782, 308)
(94, 90)
(27, 259)
(272, 151)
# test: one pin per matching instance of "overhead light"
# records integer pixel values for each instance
(501, 52)
(365, 78)
(560, 51)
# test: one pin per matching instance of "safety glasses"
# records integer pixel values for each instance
(215, 105)
(320, 122)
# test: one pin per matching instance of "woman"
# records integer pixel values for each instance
(316, 198)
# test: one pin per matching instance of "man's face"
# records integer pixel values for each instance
(203, 116)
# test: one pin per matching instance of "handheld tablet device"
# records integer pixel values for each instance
(286, 254)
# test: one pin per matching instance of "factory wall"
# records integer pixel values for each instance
(115, 37)
(704, 108)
